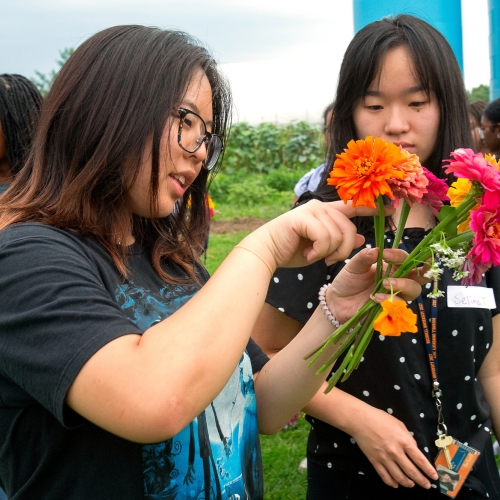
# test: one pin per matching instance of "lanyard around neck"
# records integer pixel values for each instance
(430, 343)
(430, 336)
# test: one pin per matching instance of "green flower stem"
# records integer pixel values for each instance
(405, 211)
(379, 223)
(340, 331)
(349, 338)
(340, 370)
(356, 351)
(460, 239)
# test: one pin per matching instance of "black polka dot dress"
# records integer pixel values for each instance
(394, 374)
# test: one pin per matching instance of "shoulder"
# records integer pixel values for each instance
(37, 248)
(34, 233)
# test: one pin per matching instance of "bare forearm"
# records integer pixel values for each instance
(286, 384)
(338, 408)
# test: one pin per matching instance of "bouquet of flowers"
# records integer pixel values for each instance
(466, 238)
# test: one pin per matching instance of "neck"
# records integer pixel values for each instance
(419, 216)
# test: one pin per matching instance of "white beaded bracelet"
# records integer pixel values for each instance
(324, 306)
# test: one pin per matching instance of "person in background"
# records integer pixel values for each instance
(311, 180)
(373, 436)
(124, 371)
(476, 110)
(490, 126)
(20, 103)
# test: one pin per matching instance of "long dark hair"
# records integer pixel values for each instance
(437, 70)
(20, 103)
(118, 89)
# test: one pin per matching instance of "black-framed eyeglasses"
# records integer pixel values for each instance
(193, 133)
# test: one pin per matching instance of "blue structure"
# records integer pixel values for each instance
(444, 15)
(494, 9)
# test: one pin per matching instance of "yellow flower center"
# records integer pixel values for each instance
(494, 230)
(364, 167)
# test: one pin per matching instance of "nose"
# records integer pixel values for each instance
(201, 153)
(397, 122)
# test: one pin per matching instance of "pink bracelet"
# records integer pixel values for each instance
(324, 306)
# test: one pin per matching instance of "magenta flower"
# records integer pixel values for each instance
(485, 222)
(473, 166)
(436, 192)
(475, 272)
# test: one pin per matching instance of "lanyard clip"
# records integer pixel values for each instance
(436, 391)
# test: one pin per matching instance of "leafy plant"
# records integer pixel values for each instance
(268, 146)
(481, 93)
(44, 81)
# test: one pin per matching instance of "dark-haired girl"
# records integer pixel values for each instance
(376, 432)
(120, 376)
(20, 103)
(490, 127)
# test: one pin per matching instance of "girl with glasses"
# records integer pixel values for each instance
(373, 436)
(124, 372)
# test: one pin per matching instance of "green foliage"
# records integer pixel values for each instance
(481, 93)
(278, 204)
(44, 81)
(268, 146)
(252, 192)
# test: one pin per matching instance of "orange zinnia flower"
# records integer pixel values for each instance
(395, 318)
(361, 173)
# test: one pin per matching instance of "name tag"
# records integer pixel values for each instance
(471, 296)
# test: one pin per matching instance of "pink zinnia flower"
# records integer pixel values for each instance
(414, 184)
(473, 166)
(436, 192)
(475, 271)
(485, 222)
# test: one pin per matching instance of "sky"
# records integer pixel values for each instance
(281, 57)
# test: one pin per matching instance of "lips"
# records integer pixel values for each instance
(404, 145)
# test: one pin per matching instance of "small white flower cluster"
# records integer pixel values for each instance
(452, 259)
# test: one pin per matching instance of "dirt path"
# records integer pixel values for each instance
(232, 226)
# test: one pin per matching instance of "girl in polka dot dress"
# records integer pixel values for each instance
(374, 435)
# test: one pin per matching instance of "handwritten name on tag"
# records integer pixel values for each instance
(471, 296)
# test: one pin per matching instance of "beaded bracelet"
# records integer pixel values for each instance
(324, 306)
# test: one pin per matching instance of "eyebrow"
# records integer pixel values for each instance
(408, 91)
(192, 106)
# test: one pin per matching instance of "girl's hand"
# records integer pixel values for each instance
(352, 287)
(393, 451)
(309, 233)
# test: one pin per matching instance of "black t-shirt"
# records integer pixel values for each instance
(62, 300)
(394, 374)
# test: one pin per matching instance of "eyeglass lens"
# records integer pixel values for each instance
(193, 134)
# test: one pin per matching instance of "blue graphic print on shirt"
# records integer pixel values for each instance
(217, 456)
